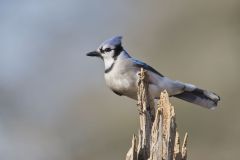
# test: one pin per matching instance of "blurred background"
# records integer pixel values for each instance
(54, 103)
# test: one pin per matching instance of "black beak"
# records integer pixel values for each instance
(94, 54)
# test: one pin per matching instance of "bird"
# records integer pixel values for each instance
(121, 75)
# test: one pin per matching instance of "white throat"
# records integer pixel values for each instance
(108, 63)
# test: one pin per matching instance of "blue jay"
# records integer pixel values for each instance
(121, 76)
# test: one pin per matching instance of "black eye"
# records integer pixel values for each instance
(107, 49)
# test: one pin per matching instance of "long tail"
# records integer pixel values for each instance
(200, 97)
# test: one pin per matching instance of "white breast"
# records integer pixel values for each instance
(123, 79)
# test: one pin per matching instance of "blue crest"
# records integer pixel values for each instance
(114, 41)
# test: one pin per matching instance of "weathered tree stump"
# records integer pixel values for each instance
(158, 138)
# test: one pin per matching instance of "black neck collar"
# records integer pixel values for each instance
(118, 51)
(109, 68)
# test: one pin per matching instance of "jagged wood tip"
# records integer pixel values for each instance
(158, 138)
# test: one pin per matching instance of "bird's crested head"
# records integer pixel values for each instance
(110, 48)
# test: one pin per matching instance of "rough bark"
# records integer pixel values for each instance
(158, 138)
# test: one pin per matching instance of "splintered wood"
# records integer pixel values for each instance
(157, 137)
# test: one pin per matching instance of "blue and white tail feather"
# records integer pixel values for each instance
(200, 97)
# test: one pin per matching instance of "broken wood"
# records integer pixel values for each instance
(158, 138)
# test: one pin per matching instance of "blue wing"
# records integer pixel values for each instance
(145, 66)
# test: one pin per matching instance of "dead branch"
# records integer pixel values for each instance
(158, 138)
